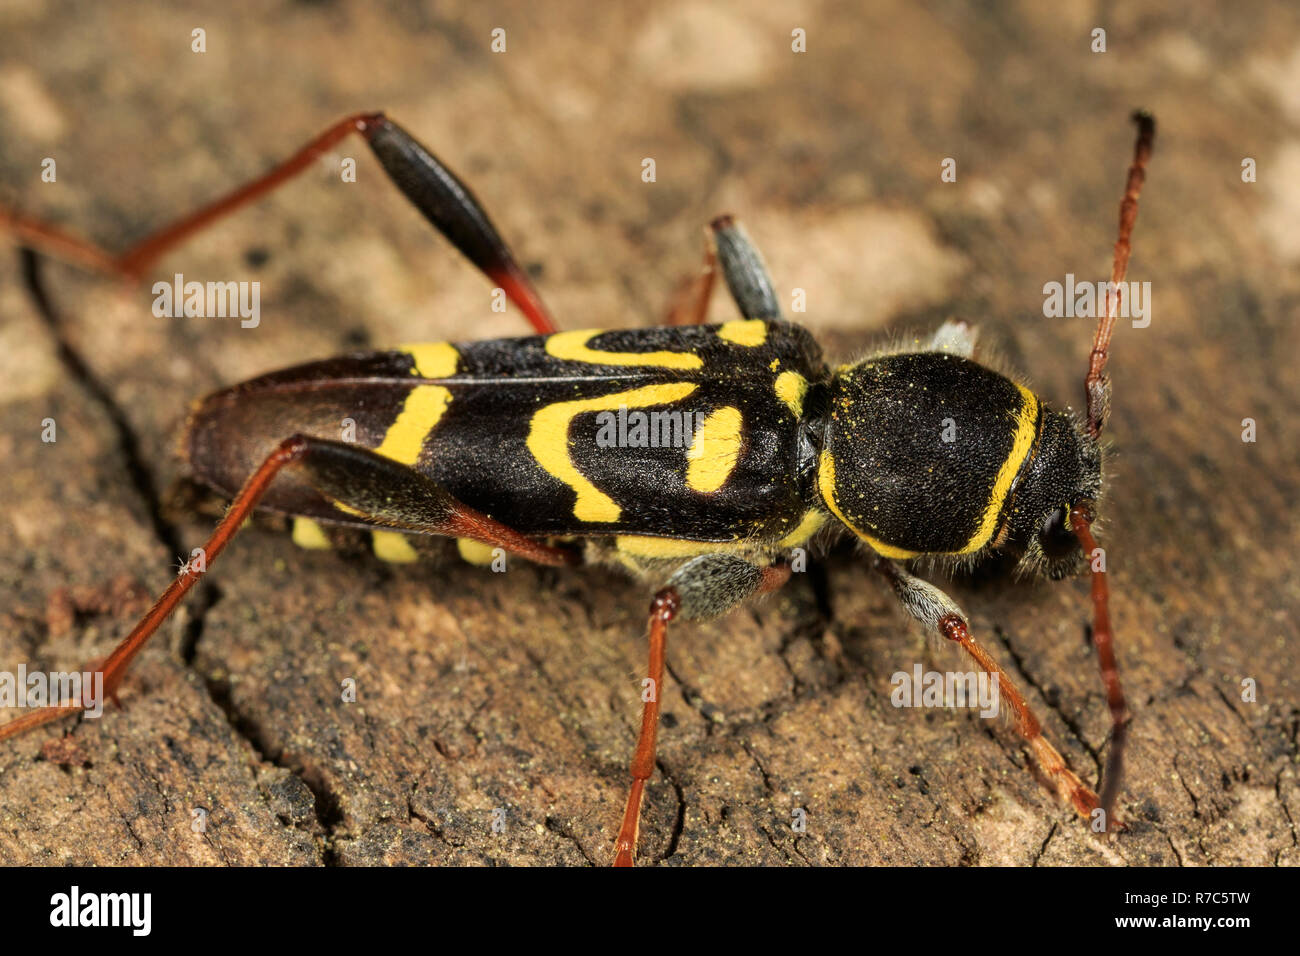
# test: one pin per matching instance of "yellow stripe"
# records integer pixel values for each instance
(475, 552)
(714, 451)
(749, 332)
(421, 411)
(826, 485)
(809, 526)
(437, 360)
(392, 546)
(646, 546)
(791, 387)
(573, 346)
(309, 534)
(1026, 432)
(548, 441)
(424, 406)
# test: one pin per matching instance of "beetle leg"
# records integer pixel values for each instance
(726, 245)
(447, 203)
(690, 302)
(430, 186)
(704, 587)
(389, 493)
(743, 268)
(938, 612)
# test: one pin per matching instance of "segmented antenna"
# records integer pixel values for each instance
(1097, 386)
(1103, 639)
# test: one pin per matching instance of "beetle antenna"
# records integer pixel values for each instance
(1097, 385)
(1103, 639)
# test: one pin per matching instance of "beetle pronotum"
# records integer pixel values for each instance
(782, 447)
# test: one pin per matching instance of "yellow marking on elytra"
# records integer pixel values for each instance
(648, 546)
(393, 546)
(715, 450)
(433, 360)
(423, 409)
(573, 347)
(424, 405)
(548, 441)
(791, 387)
(1026, 432)
(812, 523)
(475, 552)
(748, 332)
(309, 534)
(826, 485)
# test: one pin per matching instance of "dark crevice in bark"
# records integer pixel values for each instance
(128, 442)
(167, 534)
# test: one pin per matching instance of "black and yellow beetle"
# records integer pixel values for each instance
(698, 455)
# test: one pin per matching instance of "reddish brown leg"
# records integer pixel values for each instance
(933, 608)
(1103, 640)
(727, 249)
(1096, 385)
(690, 304)
(135, 261)
(433, 188)
(355, 476)
(1066, 781)
(727, 581)
(663, 608)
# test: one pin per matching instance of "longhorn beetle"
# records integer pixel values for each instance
(498, 443)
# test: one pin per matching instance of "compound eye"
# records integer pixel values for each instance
(1057, 541)
(1054, 523)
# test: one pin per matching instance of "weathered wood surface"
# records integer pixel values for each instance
(520, 691)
